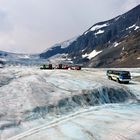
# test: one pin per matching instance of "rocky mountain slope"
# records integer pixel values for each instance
(112, 43)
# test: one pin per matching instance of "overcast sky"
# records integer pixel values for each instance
(31, 26)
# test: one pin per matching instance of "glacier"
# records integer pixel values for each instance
(66, 104)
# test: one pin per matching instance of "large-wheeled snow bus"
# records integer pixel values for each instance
(119, 76)
(75, 67)
(46, 66)
(61, 66)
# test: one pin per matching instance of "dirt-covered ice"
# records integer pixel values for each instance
(65, 104)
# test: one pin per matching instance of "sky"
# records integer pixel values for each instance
(32, 26)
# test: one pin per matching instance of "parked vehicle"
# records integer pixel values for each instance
(75, 67)
(119, 76)
(46, 66)
(61, 66)
(66, 67)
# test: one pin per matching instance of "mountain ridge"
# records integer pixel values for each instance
(100, 36)
(111, 43)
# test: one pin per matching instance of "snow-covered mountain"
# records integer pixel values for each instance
(57, 49)
(112, 43)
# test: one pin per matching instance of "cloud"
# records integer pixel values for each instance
(5, 24)
(31, 26)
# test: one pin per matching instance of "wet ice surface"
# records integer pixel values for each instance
(59, 104)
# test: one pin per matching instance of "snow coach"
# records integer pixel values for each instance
(68, 67)
(61, 66)
(46, 67)
(119, 76)
(75, 67)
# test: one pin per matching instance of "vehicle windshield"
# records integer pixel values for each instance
(125, 74)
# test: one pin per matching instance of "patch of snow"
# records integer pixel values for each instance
(84, 55)
(116, 44)
(123, 48)
(138, 58)
(92, 54)
(83, 50)
(69, 59)
(99, 32)
(96, 27)
(133, 26)
(3, 59)
(24, 56)
(136, 27)
(126, 36)
(86, 32)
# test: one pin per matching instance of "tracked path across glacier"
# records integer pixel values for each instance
(38, 104)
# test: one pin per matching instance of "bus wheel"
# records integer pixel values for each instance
(118, 81)
(109, 77)
(127, 82)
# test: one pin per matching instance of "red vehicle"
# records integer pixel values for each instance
(75, 67)
(60, 66)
